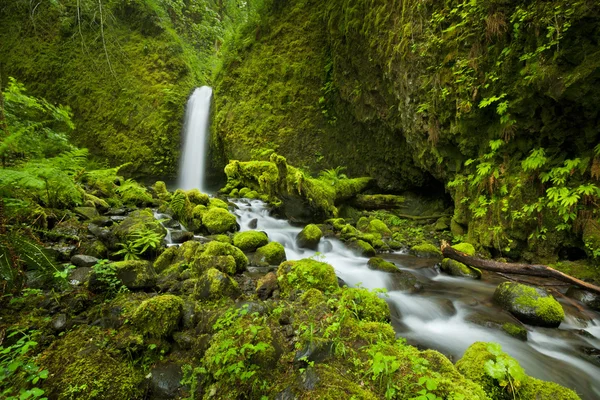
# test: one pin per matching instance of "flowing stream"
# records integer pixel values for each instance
(449, 314)
(195, 139)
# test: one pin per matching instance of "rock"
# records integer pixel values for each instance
(529, 304)
(252, 307)
(306, 274)
(218, 220)
(379, 264)
(86, 212)
(286, 394)
(309, 379)
(62, 251)
(456, 228)
(165, 381)
(376, 226)
(309, 237)
(405, 281)
(117, 218)
(79, 275)
(266, 286)
(271, 254)
(253, 223)
(222, 256)
(592, 300)
(426, 250)
(81, 260)
(361, 247)
(103, 222)
(455, 268)
(137, 221)
(105, 235)
(249, 241)
(214, 284)
(466, 248)
(158, 316)
(136, 274)
(442, 224)
(378, 201)
(171, 223)
(179, 237)
(365, 305)
(313, 352)
(500, 321)
(116, 212)
(59, 323)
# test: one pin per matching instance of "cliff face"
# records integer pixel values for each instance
(497, 100)
(126, 69)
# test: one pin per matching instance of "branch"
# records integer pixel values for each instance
(515, 268)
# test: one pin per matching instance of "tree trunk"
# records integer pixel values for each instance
(515, 268)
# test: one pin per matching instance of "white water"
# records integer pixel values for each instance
(195, 139)
(439, 316)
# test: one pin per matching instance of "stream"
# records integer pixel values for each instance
(444, 314)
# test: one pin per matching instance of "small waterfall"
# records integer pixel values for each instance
(195, 139)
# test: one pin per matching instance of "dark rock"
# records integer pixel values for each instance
(116, 212)
(79, 275)
(253, 307)
(103, 221)
(117, 218)
(190, 317)
(86, 212)
(253, 223)
(171, 224)
(314, 352)
(455, 268)
(266, 286)
(165, 381)
(59, 323)
(81, 260)
(287, 394)
(309, 379)
(62, 252)
(341, 282)
(405, 281)
(592, 300)
(105, 236)
(181, 236)
(592, 354)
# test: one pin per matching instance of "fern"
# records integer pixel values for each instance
(103, 180)
(333, 176)
(133, 193)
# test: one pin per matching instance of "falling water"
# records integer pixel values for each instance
(195, 138)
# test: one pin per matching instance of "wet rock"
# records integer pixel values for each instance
(86, 212)
(179, 237)
(79, 275)
(592, 354)
(117, 218)
(253, 307)
(59, 323)
(137, 221)
(165, 381)
(455, 268)
(592, 300)
(426, 250)
(171, 224)
(190, 315)
(529, 304)
(405, 281)
(105, 236)
(309, 237)
(214, 284)
(313, 352)
(271, 254)
(103, 221)
(250, 240)
(62, 251)
(253, 224)
(81, 260)
(361, 247)
(309, 379)
(266, 286)
(379, 264)
(341, 282)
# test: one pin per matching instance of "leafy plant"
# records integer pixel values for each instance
(506, 370)
(106, 273)
(139, 243)
(333, 176)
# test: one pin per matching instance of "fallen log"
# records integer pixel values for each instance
(515, 268)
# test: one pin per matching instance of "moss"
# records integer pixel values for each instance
(456, 268)
(426, 250)
(362, 247)
(160, 189)
(221, 238)
(466, 248)
(541, 390)
(218, 220)
(379, 227)
(313, 298)
(362, 224)
(529, 304)
(365, 305)
(136, 222)
(309, 237)
(82, 366)
(515, 330)
(243, 191)
(135, 274)
(250, 240)
(271, 254)
(218, 203)
(165, 259)
(306, 274)
(197, 198)
(159, 316)
(379, 264)
(214, 284)
(223, 256)
(337, 223)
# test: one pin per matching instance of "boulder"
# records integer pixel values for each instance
(86, 212)
(309, 237)
(266, 286)
(250, 240)
(271, 254)
(592, 300)
(218, 220)
(214, 284)
(529, 304)
(455, 268)
(426, 250)
(306, 274)
(165, 378)
(361, 247)
(222, 256)
(179, 237)
(379, 264)
(158, 316)
(81, 260)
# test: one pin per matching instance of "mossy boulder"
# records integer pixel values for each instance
(134, 274)
(217, 203)
(379, 227)
(365, 305)
(198, 198)
(309, 237)
(222, 256)
(214, 284)
(136, 222)
(426, 250)
(218, 220)
(160, 190)
(361, 247)
(473, 365)
(529, 304)
(306, 274)
(82, 366)
(379, 264)
(165, 259)
(272, 253)
(159, 316)
(466, 248)
(250, 240)
(87, 213)
(455, 268)
(515, 330)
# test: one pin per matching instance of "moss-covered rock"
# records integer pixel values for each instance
(309, 237)
(529, 304)
(378, 201)
(361, 247)
(272, 253)
(218, 220)
(222, 256)
(165, 259)
(365, 305)
(134, 274)
(455, 268)
(82, 366)
(306, 274)
(214, 284)
(464, 247)
(250, 240)
(426, 250)
(515, 330)
(473, 366)
(137, 222)
(377, 226)
(218, 203)
(379, 264)
(159, 316)
(196, 197)
(86, 212)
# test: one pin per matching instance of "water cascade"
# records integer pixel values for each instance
(195, 139)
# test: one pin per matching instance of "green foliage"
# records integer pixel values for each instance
(106, 273)
(504, 369)
(333, 176)
(19, 374)
(141, 242)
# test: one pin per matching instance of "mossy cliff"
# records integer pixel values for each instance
(125, 67)
(497, 100)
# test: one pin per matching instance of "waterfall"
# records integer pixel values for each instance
(195, 139)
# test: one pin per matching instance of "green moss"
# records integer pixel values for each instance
(250, 240)
(379, 264)
(364, 305)
(456, 268)
(362, 224)
(221, 238)
(218, 220)
(363, 248)
(214, 285)
(426, 250)
(219, 255)
(214, 202)
(379, 227)
(135, 274)
(82, 366)
(197, 198)
(165, 259)
(309, 237)
(529, 304)
(270, 254)
(306, 274)
(515, 330)
(466, 248)
(159, 316)
(138, 221)
(160, 188)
